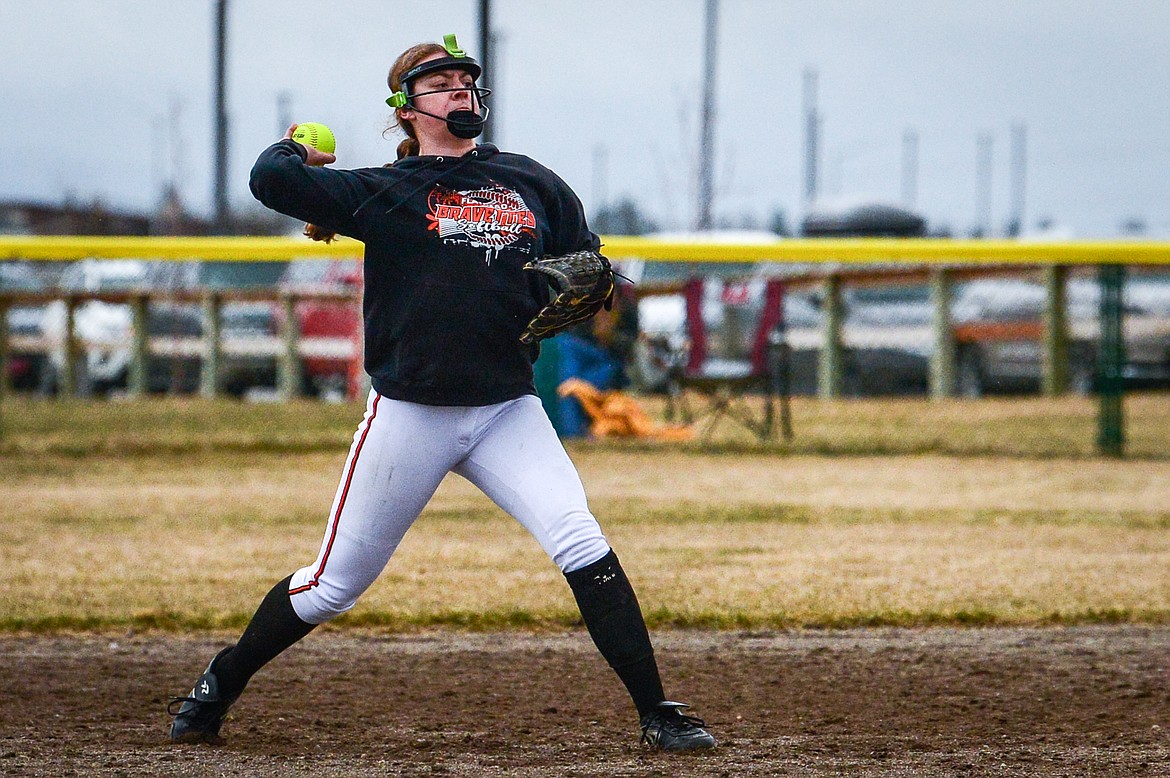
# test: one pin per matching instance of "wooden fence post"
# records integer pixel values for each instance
(140, 353)
(209, 377)
(831, 367)
(944, 355)
(5, 379)
(68, 379)
(290, 377)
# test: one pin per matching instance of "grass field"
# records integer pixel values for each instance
(182, 513)
(1013, 427)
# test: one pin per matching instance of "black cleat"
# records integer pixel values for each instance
(668, 729)
(200, 715)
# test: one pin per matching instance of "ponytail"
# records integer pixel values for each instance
(319, 233)
(409, 146)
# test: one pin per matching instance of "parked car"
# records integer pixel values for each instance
(103, 328)
(247, 333)
(887, 343)
(888, 335)
(998, 323)
(855, 218)
(331, 328)
(25, 323)
(248, 338)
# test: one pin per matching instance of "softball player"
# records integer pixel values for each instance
(448, 229)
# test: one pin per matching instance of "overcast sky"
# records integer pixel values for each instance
(113, 99)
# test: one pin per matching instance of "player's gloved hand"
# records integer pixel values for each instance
(583, 283)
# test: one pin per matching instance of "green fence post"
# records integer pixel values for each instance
(1110, 428)
(209, 375)
(830, 361)
(944, 354)
(1055, 355)
(290, 361)
(139, 311)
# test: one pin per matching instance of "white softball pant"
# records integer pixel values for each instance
(400, 454)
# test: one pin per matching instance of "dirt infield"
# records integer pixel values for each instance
(1020, 702)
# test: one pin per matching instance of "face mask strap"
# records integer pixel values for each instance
(477, 92)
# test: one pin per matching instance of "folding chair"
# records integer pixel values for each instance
(735, 358)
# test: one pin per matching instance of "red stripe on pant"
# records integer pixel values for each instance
(341, 503)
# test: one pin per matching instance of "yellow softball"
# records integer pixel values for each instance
(316, 135)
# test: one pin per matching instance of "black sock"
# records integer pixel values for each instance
(275, 627)
(614, 620)
(643, 683)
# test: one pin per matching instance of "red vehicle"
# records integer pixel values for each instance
(330, 330)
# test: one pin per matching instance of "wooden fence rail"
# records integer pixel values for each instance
(288, 347)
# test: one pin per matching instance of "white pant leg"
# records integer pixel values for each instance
(400, 454)
(520, 464)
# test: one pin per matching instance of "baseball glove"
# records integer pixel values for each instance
(583, 283)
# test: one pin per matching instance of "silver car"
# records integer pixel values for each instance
(998, 324)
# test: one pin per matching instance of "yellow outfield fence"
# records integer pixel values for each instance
(835, 261)
(927, 251)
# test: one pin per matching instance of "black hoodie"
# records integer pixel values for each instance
(446, 238)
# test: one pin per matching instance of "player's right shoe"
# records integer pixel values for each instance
(668, 729)
(200, 714)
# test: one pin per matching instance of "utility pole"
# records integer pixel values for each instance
(707, 137)
(284, 118)
(983, 186)
(1019, 178)
(178, 167)
(158, 156)
(811, 132)
(485, 56)
(600, 176)
(910, 168)
(220, 136)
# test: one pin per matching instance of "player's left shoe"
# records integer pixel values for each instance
(201, 714)
(667, 728)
